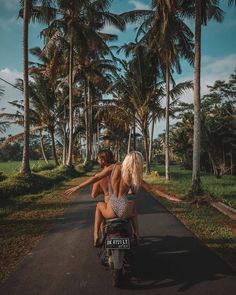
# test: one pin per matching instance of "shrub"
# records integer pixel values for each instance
(39, 166)
(2, 176)
(18, 184)
(89, 164)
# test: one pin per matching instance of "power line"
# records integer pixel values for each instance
(11, 84)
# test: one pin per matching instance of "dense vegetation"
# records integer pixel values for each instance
(65, 114)
(218, 131)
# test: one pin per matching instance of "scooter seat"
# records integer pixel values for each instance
(117, 220)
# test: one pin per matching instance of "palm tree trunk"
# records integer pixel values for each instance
(118, 150)
(42, 148)
(231, 162)
(129, 140)
(151, 139)
(223, 155)
(146, 149)
(90, 130)
(25, 166)
(167, 152)
(86, 123)
(64, 138)
(69, 158)
(54, 153)
(134, 136)
(196, 183)
(95, 150)
(98, 137)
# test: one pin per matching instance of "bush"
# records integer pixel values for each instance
(20, 185)
(89, 164)
(2, 176)
(39, 166)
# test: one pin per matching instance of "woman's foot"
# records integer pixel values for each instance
(96, 243)
(95, 240)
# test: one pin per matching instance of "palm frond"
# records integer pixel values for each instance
(136, 15)
(180, 89)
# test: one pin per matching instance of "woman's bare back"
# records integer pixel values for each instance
(119, 187)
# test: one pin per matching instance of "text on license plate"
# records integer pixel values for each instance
(118, 243)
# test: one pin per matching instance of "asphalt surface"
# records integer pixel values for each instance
(170, 259)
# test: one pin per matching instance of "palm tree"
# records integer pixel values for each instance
(79, 25)
(97, 75)
(203, 11)
(25, 167)
(44, 110)
(43, 13)
(169, 39)
(137, 93)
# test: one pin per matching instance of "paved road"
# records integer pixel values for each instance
(169, 261)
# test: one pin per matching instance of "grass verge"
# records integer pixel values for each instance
(223, 189)
(213, 228)
(18, 184)
(23, 221)
(13, 167)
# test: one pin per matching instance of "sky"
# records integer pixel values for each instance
(218, 48)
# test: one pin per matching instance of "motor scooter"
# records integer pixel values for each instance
(116, 247)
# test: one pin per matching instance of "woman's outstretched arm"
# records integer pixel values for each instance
(105, 172)
(96, 190)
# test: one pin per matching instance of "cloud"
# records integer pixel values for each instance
(213, 68)
(10, 94)
(216, 69)
(10, 74)
(139, 5)
(219, 66)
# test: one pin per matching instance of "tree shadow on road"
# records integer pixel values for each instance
(173, 261)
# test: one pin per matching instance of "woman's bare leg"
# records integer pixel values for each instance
(102, 211)
(97, 223)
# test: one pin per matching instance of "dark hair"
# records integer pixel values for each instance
(107, 156)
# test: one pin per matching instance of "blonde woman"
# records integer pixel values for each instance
(122, 178)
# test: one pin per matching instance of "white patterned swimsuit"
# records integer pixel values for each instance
(118, 204)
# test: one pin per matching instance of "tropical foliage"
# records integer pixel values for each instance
(79, 96)
(218, 123)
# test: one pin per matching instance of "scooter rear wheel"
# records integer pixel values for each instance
(116, 277)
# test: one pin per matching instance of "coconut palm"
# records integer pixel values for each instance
(97, 76)
(25, 167)
(202, 11)
(138, 93)
(79, 24)
(169, 39)
(36, 11)
(44, 111)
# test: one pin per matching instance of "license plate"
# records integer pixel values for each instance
(118, 243)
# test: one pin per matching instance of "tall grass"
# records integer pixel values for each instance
(223, 189)
(13, 167)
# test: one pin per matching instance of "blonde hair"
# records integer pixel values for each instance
(132, 170)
